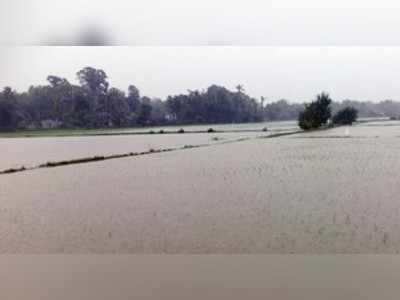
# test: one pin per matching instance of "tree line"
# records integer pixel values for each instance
(94, 104)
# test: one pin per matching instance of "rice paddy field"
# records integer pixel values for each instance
(330, 191)
(31, 148)
(29, 152)
(273, 126)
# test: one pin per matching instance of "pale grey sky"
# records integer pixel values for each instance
(294, 73)
(205, 22)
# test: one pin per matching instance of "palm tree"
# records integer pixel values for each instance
(240, 88)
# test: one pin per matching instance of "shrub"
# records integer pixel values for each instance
(316, 114)
(305, 121)
(210, 130)
(345, 116)
(181, 130)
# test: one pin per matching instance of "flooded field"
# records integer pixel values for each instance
(337, 193)
(29, 152)
(276, 126)
(384, 129)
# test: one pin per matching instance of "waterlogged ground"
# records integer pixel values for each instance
(383, 129)
(273, 126)
(335, 191)
(30, 152)
(56, 145)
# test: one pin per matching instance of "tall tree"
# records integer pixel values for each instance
(8, 106)
(117, 108)
(133, 98)
(316, 113)
(95, 80)
(144, 112)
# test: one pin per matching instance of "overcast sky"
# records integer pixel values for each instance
(294, 73)
(205, 22)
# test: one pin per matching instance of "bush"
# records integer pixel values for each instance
(181, 130)
(316, 114)
(345, 116)
(210, 130)
(305, 121)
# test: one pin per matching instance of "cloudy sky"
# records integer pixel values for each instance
(289, 49)
(205, 22)
(294, 73)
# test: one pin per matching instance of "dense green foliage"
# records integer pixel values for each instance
(345, 116)
(8, 104)
(316, 113)
(215, 105)
(94, 104)
(282, 110)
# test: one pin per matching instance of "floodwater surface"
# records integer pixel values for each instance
(277, 195)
